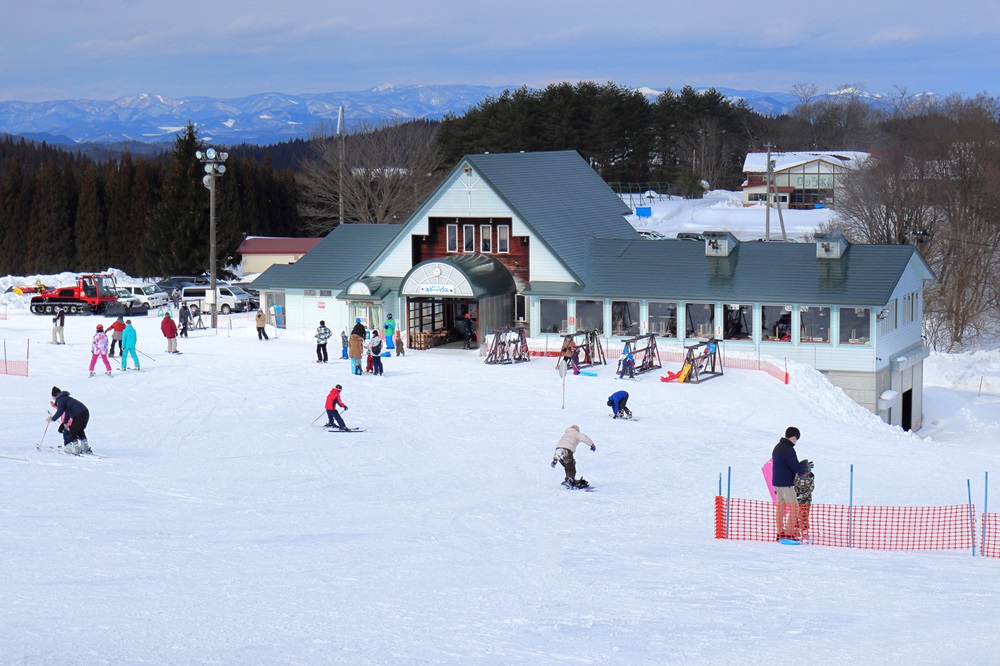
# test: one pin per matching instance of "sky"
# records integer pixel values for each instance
(105, 49)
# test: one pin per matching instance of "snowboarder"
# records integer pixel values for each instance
(390, 330)
(355, 347)
(627, 364)
(333, 400)
(343, 342)
(58, 322)
(116, 327)
(74, 416)
(128, 346)
(261, 321)
(468, 331)
(169, 329)
(376, 354)
(805, 482)
(184, 319)
(567, 354)
(99, 349)
(784, 466)
(565, 449)
(322, 335)
(400, 348)
(617, 402)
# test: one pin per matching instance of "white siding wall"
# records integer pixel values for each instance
(905, 336)
(304, 313)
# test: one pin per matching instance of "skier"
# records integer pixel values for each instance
(565, 449)
(116, 327)
(75, 416)
(376, 354)
(261, 321)
(184, 319)
(390, 330)
(627, 364)
(356, 345)
(322, 335)
(58, 322)
(343, 342)
(99, 349)
(784, 466)
(128, 346)
(333, 400)
(617, 402)
(169, 329)
(468, 331)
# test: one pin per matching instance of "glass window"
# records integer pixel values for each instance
(700, 320)
(625, 318)
(452, 238)
(855, 326)
(308, 292)
(503, 238)
(469, 238)
(325, 293)
(520, 308)
(663, 319)
(485, 238)
(590, 316)
(814, 324)
(776, 323)
(552, 314)
(739, 321)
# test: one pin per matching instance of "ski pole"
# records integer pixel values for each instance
(318, 417)
(146, 355)
(47, 422)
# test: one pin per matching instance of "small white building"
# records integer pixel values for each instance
(801, 179)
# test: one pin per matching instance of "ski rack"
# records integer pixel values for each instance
(589, 351)
(707, 364)
(643, 348)
(508, 346)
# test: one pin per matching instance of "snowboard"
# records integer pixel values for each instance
(790, 542)
(587, 488)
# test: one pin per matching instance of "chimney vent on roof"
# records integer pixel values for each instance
(831, 245)
(719, 243)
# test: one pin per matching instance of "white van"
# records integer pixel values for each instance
(228, 301)
(150, 294)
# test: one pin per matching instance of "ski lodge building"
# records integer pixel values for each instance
(539, 241)
(801, 179)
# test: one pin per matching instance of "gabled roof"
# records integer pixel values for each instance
(344, 253)
(276, 245)
(561, 199)
(756, 162)
(778, 273)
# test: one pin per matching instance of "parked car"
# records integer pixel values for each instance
(690, 236)
(176, 282)
(253, 297)
(228, 301)
(649, 234)
(150, 294)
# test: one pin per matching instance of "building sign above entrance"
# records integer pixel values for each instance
(436, 289)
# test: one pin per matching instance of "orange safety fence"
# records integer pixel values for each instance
(867, 527)
(16, 368)
(990, 546)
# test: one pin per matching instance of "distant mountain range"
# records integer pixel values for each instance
(265, 118)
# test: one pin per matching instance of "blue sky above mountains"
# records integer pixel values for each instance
(105, 49)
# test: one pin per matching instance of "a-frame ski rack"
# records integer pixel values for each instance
(705, 364)
(588, 348)
(509, 346)
(644, 351)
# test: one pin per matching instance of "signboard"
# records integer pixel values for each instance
(321, 305)
(436, 289)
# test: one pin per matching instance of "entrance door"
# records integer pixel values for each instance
(907, 420)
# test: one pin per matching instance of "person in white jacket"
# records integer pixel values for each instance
(565, 448)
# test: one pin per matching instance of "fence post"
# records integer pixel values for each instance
(986, 499)
(850, 512)
(972, 517)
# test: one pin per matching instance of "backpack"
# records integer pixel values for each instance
(376, 348)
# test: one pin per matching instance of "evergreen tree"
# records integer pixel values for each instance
(16, 193)
(50, 237)
(91, 223)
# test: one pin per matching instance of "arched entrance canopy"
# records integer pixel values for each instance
(468, 276)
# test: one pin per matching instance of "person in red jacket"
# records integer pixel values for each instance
(169, 328)
(114, 330)
(333, 400)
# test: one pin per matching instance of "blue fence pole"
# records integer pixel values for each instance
(972, 516)
(850, 512)
(986, 501)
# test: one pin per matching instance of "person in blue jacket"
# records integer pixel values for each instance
(617, 402)
(784, 466)
(128, 345)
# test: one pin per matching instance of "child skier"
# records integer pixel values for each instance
(333, 400)
(99, 349)
(805, 482)
(627, 364)
(73, 416)
(343, 343)
(617, 402)
(565, 448)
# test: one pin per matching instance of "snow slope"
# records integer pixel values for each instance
(224, 528)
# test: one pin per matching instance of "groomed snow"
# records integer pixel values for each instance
(224, 528)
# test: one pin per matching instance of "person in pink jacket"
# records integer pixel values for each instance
(99, 349)
(565, 448)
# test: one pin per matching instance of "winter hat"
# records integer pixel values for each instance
(322, 323)
(55, 391)
(358, 320)
(121, 318)
(792, 431)
(389, 316)
(610, 402)
(100, 327)
(338, 386)
(575, 427)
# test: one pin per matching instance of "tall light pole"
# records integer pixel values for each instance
(214, 168)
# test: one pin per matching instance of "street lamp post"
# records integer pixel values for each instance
(214, 168)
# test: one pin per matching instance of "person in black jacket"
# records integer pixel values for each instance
(359, 329)
(784, 466)
(468, 331)
(76, 416)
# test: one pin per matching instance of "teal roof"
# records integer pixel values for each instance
(752, 273)
(343, 254)
(560, 197)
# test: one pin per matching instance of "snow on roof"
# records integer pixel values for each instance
(756, 162)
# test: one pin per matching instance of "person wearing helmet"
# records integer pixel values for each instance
(390, 331)
(333, 400)
(469, 329)
(99, 349)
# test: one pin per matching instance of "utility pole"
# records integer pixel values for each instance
(340, 178)
(772, 186)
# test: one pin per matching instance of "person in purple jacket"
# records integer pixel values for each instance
(784, 466)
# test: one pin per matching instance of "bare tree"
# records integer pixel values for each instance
(377, 174)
